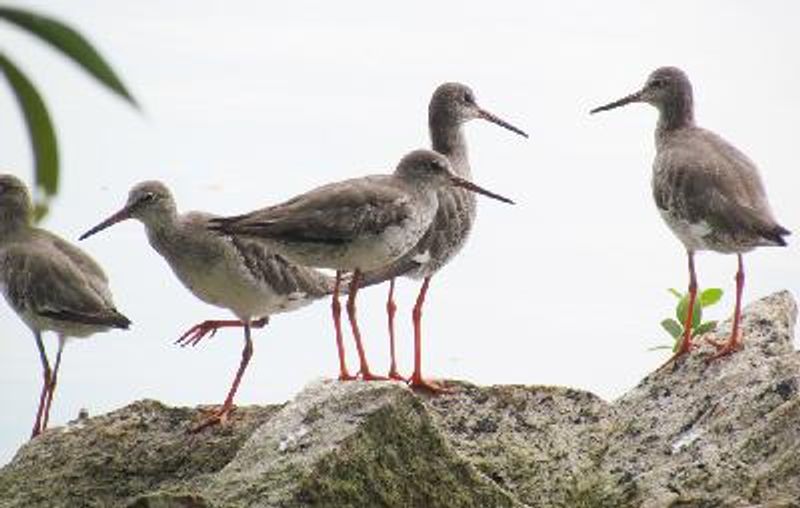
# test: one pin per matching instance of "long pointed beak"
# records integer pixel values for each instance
(634, 97)
(120, 216)
(466, 184)
(489, 117)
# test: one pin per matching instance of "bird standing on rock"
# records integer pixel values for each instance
(451, 106)
(355, 225)
(240, 275)
(51, 284)
(708, 192)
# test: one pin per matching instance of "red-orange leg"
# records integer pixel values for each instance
(363, 370)
(734, 342)
(391, 311)
(416, 380)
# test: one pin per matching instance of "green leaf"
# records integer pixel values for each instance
(677, 294)
(40, 128)
(69, 42)
(708, 326)
(710, 296)
(681, 311)
(657, 348)
(672, 327)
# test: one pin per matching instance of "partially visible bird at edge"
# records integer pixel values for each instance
(52, 285)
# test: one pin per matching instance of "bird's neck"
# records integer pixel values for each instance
(447, 138)
(676, 114)
(162, 227)
(11, 223)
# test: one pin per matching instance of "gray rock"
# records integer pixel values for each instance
(720, 434)
(694, 434)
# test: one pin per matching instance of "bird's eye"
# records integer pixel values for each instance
(148, 197)
(469, 98)
(657, 83)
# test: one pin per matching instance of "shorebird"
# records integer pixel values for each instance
(708, 192)
(451, 106)
(354, 226)
(51, 284)
(233, 273)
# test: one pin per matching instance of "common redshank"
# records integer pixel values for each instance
(51, 284)
(233, 273)
(708, 192)
(355, 225)
(451, 106)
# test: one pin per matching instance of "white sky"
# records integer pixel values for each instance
(250, 103)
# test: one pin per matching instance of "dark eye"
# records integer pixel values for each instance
(469, 98)
(657, 83)
(148, 197)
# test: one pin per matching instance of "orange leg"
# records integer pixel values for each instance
(47, 374)
(195, 334)
(53, 381)
(686, 342)
(416, 381)
(734, 342)
(336, 310)
(220, 416)
(391, 310)
(363, 371)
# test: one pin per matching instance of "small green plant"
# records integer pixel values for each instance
(675, 326)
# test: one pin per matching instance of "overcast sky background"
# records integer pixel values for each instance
(250, 103)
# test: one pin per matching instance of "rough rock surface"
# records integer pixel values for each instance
(694, 434)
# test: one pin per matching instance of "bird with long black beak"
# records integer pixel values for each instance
(354, 226)
(242, 276)
(708, 192)
(451, 106)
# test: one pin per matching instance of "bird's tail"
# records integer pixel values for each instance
(776, 235)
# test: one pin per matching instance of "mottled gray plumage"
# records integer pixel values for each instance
(451, 106)
(357, 224)
(708, 192)
(233, 273)
(51, 284)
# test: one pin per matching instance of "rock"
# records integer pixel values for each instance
(110, 459)
(725, 433)
(694, 434)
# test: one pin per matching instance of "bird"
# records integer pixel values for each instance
(52, 285)
(451, 106)
(354, 226)
(707, 191)
(242, 276)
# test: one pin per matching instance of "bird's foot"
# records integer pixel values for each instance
(416, 382)
(195, 334)
(684, 350)
(395, 376)
(346, 376)
(365, 375)
(217, 417)
(730, 346)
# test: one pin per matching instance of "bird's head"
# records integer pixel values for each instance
(15, 201)
(433, 170)
(150, 202)
(665, 87)
(456, 103)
